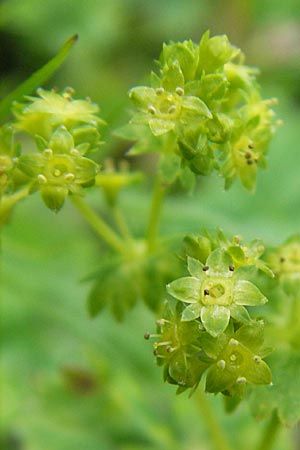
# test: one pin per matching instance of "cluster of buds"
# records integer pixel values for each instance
(206, 325)
(209, 102)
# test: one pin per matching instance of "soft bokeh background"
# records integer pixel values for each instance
(70, 383)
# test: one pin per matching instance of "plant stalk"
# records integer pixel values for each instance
(121, 223)
(98, 224)
(155, 212)
(270, 433)
(217, 433)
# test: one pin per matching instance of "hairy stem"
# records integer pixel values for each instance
(217, 433)
(155, 211)
(270, 433)
(97, 223)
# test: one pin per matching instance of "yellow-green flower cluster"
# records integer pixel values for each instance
(209, 102)
(65, 130)
(206, 325)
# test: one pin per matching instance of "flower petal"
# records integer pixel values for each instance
(185, 289)
(215, 319)
(195, 267)
(191, 312)
(245, 293)
(239, 313)
(218, 263)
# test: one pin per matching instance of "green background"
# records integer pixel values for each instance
(72, 383)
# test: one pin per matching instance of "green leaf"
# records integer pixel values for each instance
(219, 262)
(198, 247)
(195, 107)
(185, 289)
(284, 394)
(217, 380)
(161, 126)
(245, 293)
(239, 313)
(37, 78)
(251, 335)
(215, 319)
(195, 267)
(172, 77)
(191, 312)
(169, 167)
(187, 179)
(54, 197)
(142, 97)
(97, 300)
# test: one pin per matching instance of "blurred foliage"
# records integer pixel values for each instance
(68, 382)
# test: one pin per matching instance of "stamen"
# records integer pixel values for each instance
(74, 152)
(48, 153)
(179, 91)
(42, 179)
(221, 364)
(241, 380)
(159, 91)
(151, 109)
(69, 177)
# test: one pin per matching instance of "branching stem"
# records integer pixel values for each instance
(121, 223)
(98, 224)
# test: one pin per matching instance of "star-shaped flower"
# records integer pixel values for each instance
(215, 292)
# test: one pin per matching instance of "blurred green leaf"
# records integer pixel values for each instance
(37, 78)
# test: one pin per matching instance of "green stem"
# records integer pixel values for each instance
(217, 433)
(155, 211)
(121, 223)
(95, 221)
(270, 433)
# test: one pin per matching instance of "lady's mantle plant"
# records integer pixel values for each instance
(202, 112)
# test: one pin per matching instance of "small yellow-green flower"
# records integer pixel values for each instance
(237, 360)
(215, 292)
(59, 170)
(43, 114)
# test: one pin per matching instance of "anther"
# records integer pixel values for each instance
(241, 380)
(247, 155)
(233, 357)
(251, 145)
(179, 90)
(221, 364)
(147, 335)
(231, 268)
(155, 352)
(48, 152)
(74, 152)
(160, 322)
(205, 268)
(42, 179)
(249, 162)
(206, 292)
(159, 91)
(282, 259)
(151, 109)
(69, 177)
(233, 342)
(172, 109)
(169, 349)
(256, 359)
(56, 172)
